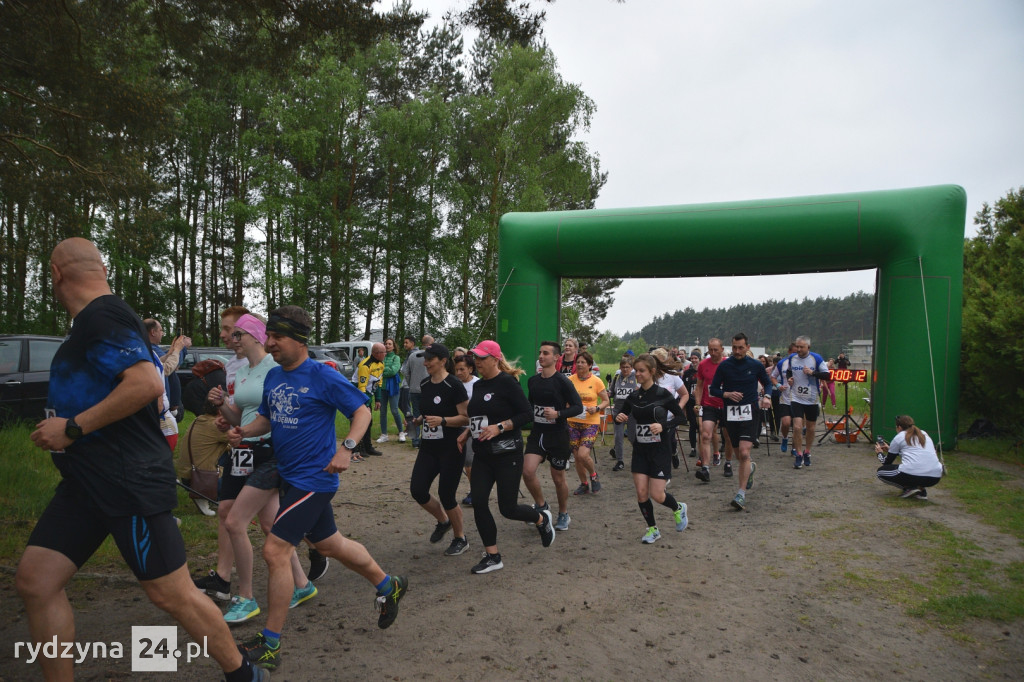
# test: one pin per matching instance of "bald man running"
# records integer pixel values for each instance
(117, 475)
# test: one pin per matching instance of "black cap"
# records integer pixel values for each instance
(437, 350)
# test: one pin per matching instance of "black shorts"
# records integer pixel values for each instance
(552, 446)
(712, 414)
(74, 525)
(808, 413)
(782, 410)
(304, 514)
(745, 430)
(653, 464)
(263, 477)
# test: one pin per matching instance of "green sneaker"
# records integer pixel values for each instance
(681, 519)
(750, 478)
(651, 536)
(259, 652)
(302, 594)
(241, 610)
(387, 604)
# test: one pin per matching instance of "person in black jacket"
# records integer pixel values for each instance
(497, 412)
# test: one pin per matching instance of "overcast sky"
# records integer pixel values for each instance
(703, 101)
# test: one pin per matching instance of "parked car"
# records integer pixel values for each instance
(337, 356)
(25, 375)
(195, 355)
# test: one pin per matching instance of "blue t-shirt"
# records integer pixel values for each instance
(300, 405)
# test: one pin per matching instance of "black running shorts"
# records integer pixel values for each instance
(552, 446)
(74, 525)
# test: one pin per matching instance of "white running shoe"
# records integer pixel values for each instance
(401, 436)
(383, 438)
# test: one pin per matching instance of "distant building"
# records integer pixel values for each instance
(860, 351)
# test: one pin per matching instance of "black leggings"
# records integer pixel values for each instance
(430, 465)
(505, 471)
(691, 416)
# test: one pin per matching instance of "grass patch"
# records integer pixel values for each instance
(28, 479)
(986, 493)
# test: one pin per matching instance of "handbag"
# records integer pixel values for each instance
(204, 482)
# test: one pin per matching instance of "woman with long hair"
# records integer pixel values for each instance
(650, 406)
(497, 412)
(919, 466)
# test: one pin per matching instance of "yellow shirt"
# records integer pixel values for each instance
(588, 390)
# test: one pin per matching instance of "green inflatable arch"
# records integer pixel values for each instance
(914, 237)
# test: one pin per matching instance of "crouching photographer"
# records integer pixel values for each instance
(919, 466)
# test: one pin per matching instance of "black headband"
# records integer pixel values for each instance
(288, 327)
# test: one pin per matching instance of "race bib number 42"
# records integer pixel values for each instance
(241, 461)
(739, 413)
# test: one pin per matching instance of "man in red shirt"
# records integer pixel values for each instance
(711, 413)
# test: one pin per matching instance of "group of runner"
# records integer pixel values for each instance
(278, 409)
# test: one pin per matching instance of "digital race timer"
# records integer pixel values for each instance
(848, 375)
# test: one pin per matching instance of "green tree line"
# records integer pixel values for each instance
(269, 152)
(831, 323)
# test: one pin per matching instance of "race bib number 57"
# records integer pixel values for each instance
(476, 425)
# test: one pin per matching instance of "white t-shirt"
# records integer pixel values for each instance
(915, 459)
(671, 383)
(230, 368)
(780, 375)
(469, 385)
(805, 386)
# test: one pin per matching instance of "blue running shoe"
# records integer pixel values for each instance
(785, 444)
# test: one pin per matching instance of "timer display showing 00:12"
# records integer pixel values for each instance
(846, 376)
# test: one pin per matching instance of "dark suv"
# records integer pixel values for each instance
(25, 375)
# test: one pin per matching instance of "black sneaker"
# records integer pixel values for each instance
(259, 652)
(619, 466)
(703, 474)
(440, 530)
(543, 508)
(215, 586)
(387, 604)
(922, 493)
(490, 562)
(614, 456)
(318, 565)
(675, 461)
(547, 532)
(458, 546)
(727, 470)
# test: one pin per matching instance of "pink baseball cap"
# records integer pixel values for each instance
(487, 348)
(252, 326)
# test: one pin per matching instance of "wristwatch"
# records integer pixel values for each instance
(72, 430)
(501, 427)
(349, 444)
(444, 422)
